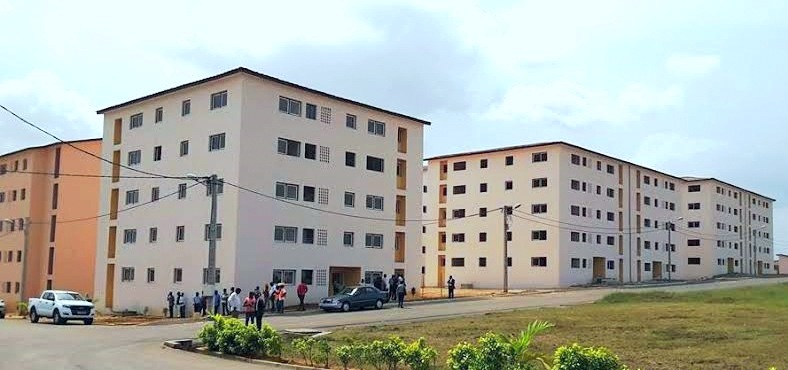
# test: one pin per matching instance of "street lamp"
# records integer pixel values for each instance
(25, 226)
(211, 182)
(670, 225)
(507, 212)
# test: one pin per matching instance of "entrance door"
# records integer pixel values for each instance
(760, 267)
(639, 278)
(599, 268)
(441, 271)
(656, 270)
(343, 277)
(109, 290)
(730, 265)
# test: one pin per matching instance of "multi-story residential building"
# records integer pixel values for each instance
(41, 201)
(781, 264)
(581, 216)
(329, 184)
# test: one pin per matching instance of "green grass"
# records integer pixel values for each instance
(743, 328)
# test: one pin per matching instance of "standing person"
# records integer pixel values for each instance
(274, 296)
(197, 303)
(266, 296)
(170, 303)
(301, 291)
(280, 299)
(180, 301)
(401, 290)
(249, 304)
(384, 284)
(217, 301)
(234, 303)
(393, 287)
(225, 297)
(257, 292)
(451, 283)
(259, 309)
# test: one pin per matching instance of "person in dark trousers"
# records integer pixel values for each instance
(451, 283)
(257, 292)
(170, 303)
(266, 295)
(249, 305)
(217, 301)
(259, 310)
(225, 297)
(274, 292)
(401, 290)
(197, 303)
(384, 284)
(393, 287)
(301, 292)
(181, 302)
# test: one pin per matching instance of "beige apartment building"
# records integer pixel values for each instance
(332, 184)
(781, 263)
(580, 217)
(48, 219)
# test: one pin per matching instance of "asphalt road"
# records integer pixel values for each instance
(46, 347)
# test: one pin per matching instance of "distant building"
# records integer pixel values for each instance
(781, 263)
(59, 212)
(584, 216)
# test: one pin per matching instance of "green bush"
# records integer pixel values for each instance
(323, 356)
(344, 354)
(21, 309)
(463, 356)
(392, 352)
(232, 337)
(419, 356)
(575, 357)
(305, 348)
(492, 352)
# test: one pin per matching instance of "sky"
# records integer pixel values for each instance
(689, 88)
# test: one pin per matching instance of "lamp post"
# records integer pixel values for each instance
(507, 212)
(26, 224)
(210, 182)
(669, 225)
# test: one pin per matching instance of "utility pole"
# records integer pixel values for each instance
(669, 226)
(25, 248)
(212, 187)
(507, 210)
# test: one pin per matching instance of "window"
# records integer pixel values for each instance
(306, 277)
(159, 115)
(539, 157)
(347, 238)
(574, 236)
(693, 206)
(309, 193)
(135, 121)
(611, 265)
(611, 193)
(693, 242)
(693, 188)
(177, 275)
(374, 240)
(289, 147)
(458, 262)
(180, 233)
(459, 166)
(482, 163)
(458, 238)
(611, 169)
(574, 210)
(129, 236)
(311, 111)
(693, 224)
(284, 276)
(509, 185)
(458, 213)
(482, 237)
(350, 159)
(611, 240)
(350, 199)
(539, 235)
(539, 183)
(647, 266)
(350, 121)
(157, 153)
(672, 186)
(127, 274)
(308, 235)
(135, 157)
(376, 128)
(208, 232)
(218, 100)
(482, 261)
(216, 142)
(219, 187)
(611, 216)
(310, 151)
(693, 261)
(322, 196)
(181, 191)
(132, 197)
(151, 275)
(574, 184)
(483, 212)
(375, 163)
(575, 159)
(153, 235)
(646, 222)
(539, 261)
(286, 191)
(458, 189)
(184, 148)
(286, 234)
(509, 160)
(575, 263)
(375, 202)
(186, 107)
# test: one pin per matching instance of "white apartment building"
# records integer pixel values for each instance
(583, 216)
(332, 182)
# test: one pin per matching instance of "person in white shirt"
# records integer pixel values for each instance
(234, 303)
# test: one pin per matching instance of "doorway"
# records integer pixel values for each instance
(441, 271)
(760, 267)
(639, 273)
(599, 268)
(730, 265)
(341, 277)
(621, 270)
(656, 270)
(109, 293)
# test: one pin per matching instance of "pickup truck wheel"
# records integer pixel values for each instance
(2, 315)
(378, 304)
(88, 321)
(56, 319)
(346, 307)
(34, 315)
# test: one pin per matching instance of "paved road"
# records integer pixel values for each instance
(43, 346)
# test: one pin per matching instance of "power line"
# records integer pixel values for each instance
(571, 224)
(586, 231)
(90, 175)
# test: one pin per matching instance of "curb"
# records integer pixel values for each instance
(179, 345)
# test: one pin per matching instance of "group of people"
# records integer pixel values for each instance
(394, 285)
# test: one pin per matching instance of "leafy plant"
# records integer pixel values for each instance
(209, 334)
(270, 341)
(463, 356)
(495, 353)
(575, 357)
(419, 356)
(21, 309)
(324, 352)
(392, 352)
(344, 354)
(373, 354)
(520, 344)
(305, 348)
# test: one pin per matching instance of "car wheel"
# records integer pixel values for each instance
(56, 319)
(346, 307)
(88, 321)
(2, 315)
(378, 304)
(34, 316)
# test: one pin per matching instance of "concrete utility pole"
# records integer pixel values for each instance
(506, 213)
(211, 182)
(669, 226)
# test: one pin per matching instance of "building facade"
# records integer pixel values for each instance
(781, 263)
(329, 185)
(582, 217)
(41, 201)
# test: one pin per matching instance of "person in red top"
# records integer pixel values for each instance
(281, 296)
(249, 305)
(301, 291)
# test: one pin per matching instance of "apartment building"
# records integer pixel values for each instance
(48, 219)
(581, 216)
(781, 264)
(330, 184)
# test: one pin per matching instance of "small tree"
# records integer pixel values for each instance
(520, 344)
(344, 355)
(419, 356)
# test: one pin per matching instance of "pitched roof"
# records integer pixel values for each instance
(263, 77)
(48, 145)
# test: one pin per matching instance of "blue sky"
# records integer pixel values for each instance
(691, 88)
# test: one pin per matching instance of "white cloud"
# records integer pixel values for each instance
(572, 104)
(669, 148)
(692, 65)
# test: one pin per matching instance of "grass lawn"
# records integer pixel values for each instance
(724, 329)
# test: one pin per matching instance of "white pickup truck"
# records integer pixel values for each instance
(61, 306)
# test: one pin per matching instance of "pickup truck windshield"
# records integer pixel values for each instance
(69, 297)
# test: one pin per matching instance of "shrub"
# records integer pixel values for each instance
(463, 356)
(495, 353)
(305, 348)
(21, 309)
(209, 334)
(575, 357)
(323, 353)
(344, 354)
(270, 341)
(392, 352)
(419, 356)
(373, 354)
